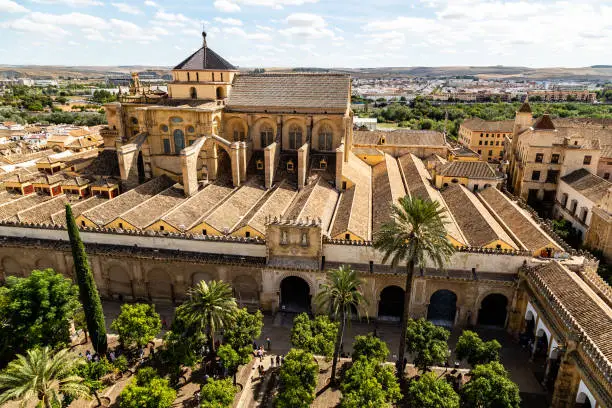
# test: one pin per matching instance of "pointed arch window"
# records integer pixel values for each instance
(267, 134)
(295, 137)
(193, 93)
(179, 140)
(325, 138)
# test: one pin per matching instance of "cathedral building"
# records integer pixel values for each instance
(259, 180)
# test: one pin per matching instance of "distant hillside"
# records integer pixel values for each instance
(595, 72)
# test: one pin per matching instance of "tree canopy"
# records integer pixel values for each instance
(368, 383)
(43, 375)
(471, 347)
(370, 347)
(316, 336)
(427, 342)
(137, 324)
(490, 387)
(147, 391)
(217, 394)
(431, 392)
(36, 311)
(298, 379)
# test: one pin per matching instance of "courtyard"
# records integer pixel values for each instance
(277, 328)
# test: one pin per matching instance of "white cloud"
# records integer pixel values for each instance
(306, 26)
(231, 6)
(93, 35)
(239, 32)
(8, 6)
(264, 28)
(126, 30)
(127, 8)
(72, 3)
(70, 19)
(27, 25)
(150, 3)
(228, 21)
(226, 6)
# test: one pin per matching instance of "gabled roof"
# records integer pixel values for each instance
(477, 124)
(544, 123)
(290, 91)
(399, 137)
(469, 169)
(213, 61)
(525, 108)
(589, 185)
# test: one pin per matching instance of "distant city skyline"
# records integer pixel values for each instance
(308, 33)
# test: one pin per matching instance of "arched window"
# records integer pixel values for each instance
(239, 133)
(295, 137)
(134, 120)
(193, 93)
(325, 138)
(179, 140)
(267, 135)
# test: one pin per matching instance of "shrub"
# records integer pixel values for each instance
(218, 394)
(298, 379)
(370, 347)
(156, 394)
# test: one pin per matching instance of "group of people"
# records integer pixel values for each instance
(110, 355)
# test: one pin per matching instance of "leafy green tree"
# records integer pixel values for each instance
(231, 359)
(431, 392)
(156, 394)
(368, 383)
(427, 342)
(44, 376)
(91, 373)
(211, 306)
(316, 336)
(217, 394)
(298, 380)
(370, 347)
(246, 327)
(90, 298)
(415, 234)
(340, 294)
(147, 390)
(490, 387)
(471, 347)
(183, 343)
(35, 311)
(137, 324)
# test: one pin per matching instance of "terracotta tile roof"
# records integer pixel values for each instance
(544, 123)
(354, 210)
(477, 225)
(83, 143)
(589, 185)
(191, 212)
(590, 312)
(106, 163)
(152, 209)
(42, 213)
(290, 91)
(231, 211)
(387, 189)
(76, 181)
(78, 208)
(370, 151)
(10, 209)
(316, 200)
(213, 61)
(494, 126)
(516, 220)
(274, 204)
(6, 196)
(399, 137)
(525, 108)
(418, 180)
(469, 169)
(606, 152)
(108, 211)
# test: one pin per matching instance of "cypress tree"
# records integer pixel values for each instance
(88, 291)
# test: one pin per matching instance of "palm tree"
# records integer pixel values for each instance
(415, 234)
(43, 375)
(340, 294)
(210, 305)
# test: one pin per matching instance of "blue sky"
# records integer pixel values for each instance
(324, 33)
